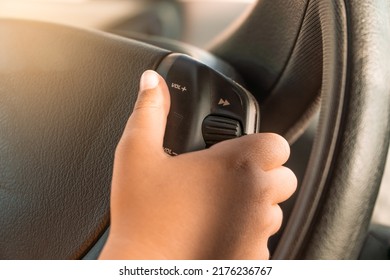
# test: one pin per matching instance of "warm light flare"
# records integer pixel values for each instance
(86, 13)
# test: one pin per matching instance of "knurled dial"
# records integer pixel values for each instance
(217, 128)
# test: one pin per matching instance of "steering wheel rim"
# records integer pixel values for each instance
(329, 219)
(333, 210)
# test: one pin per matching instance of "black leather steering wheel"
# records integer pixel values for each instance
(66, 93)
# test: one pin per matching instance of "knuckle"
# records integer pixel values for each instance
(246, 163)
(272, 219)
(287, 182)
(280, 145)
(291, 179)
(248, 156)
(265, 150)
(278, 218)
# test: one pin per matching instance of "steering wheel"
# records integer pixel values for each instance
(66, 93)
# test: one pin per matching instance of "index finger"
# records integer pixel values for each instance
(267, 150)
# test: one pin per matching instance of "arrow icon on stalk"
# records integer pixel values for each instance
(223, 102)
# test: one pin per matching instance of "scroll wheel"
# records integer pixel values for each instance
(216, 129)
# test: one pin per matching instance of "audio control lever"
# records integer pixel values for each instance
(206, 107)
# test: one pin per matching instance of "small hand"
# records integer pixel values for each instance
(219, 203)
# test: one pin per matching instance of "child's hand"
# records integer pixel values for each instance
(219, 203)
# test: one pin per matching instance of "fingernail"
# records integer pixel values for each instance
(149, 80)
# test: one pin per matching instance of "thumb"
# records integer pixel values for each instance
(146, 125)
